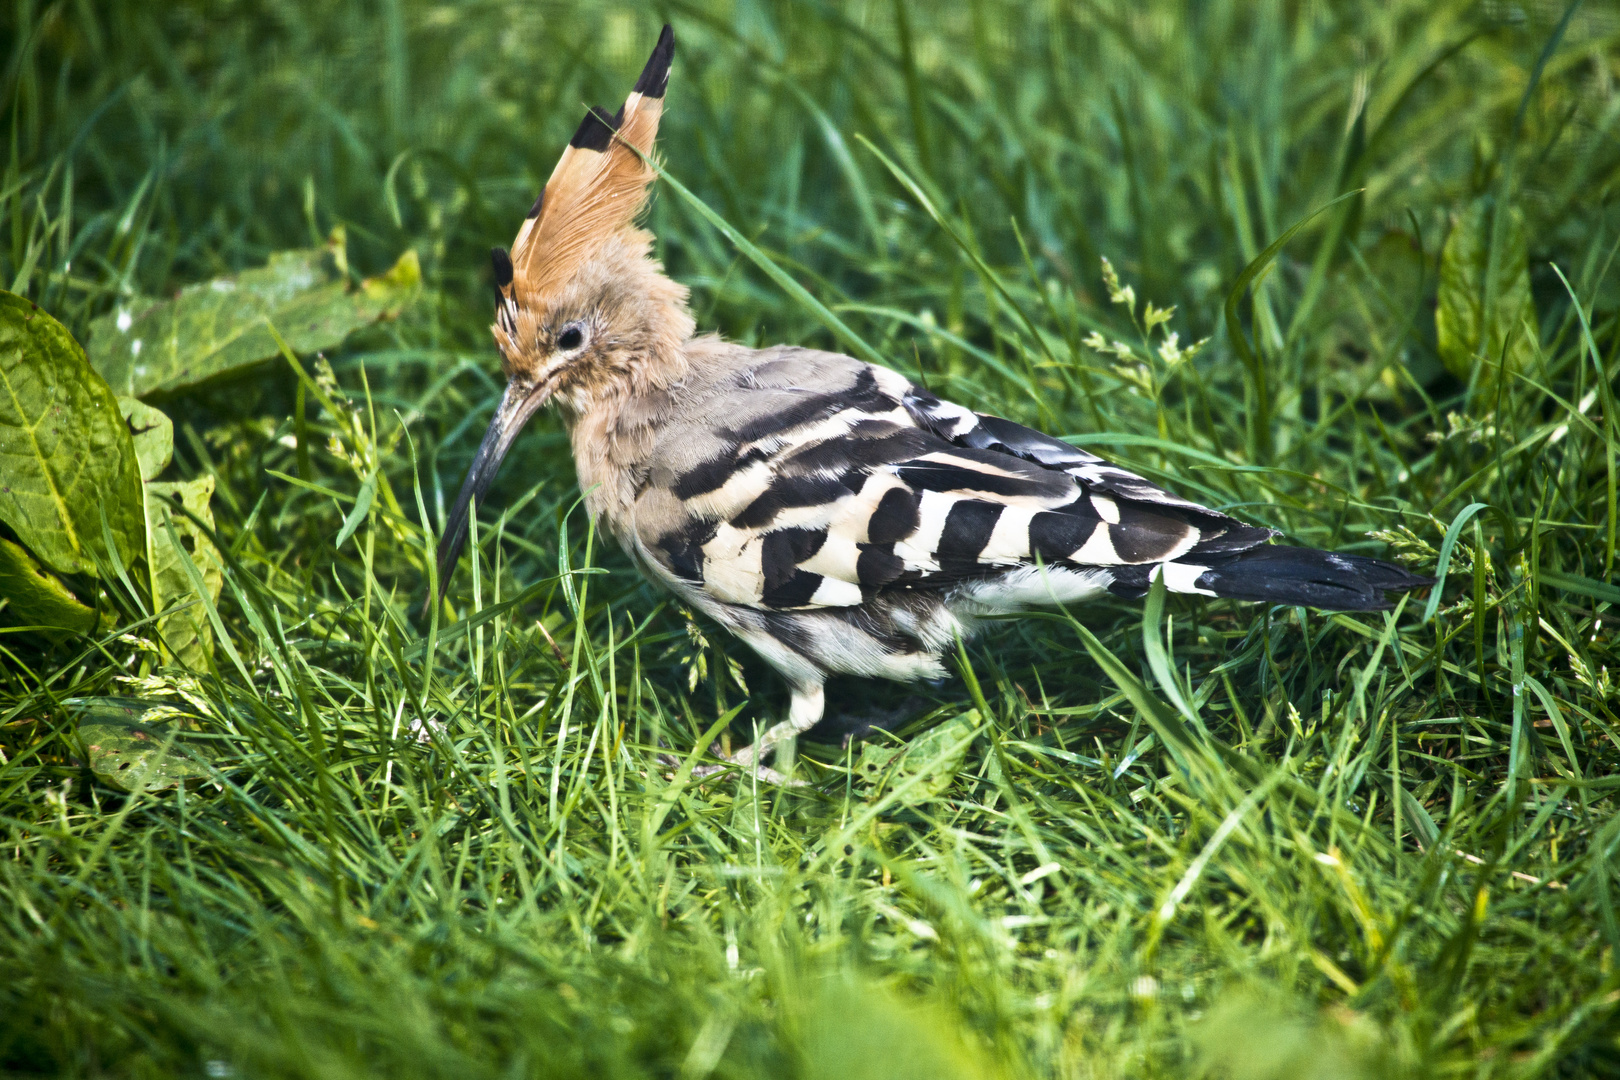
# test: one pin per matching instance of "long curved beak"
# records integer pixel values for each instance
(517, 404)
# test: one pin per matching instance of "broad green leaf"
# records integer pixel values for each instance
(1480, 314)
(186, 634)
(220, 326)
(153, 433)
(937, 754)
(33, 596)
(139, 745)
(66, 455)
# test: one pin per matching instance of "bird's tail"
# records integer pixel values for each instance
(1274, 574)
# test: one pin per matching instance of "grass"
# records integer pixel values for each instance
(1211, 840)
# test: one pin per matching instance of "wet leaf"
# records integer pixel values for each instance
(186, 634)
(936, 754)
(66, 455)
(1481, 313)
(139, 745)
(220, 326)
(153, 433)
(36, 597)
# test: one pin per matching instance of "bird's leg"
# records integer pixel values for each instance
(805, 709)
(803, 714)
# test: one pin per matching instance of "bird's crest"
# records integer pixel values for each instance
(596, 190)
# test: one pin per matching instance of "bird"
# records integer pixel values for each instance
(835, 516)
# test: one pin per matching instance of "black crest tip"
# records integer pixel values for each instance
(595, 131)
(502, 262)
(655, 76)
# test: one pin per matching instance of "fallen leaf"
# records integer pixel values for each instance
(66, 455)
(221, 326)
(137, 745)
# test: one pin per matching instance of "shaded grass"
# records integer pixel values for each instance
(1208, 839)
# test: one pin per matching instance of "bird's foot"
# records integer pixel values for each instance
(761, 772)
(747, 761)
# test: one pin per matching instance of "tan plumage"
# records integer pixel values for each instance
(597, 188)
(828, 512)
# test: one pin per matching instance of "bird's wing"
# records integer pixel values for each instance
(814, 480)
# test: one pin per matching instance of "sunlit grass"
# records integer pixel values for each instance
(1212, 839)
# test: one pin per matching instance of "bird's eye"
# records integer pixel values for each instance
(570, 339)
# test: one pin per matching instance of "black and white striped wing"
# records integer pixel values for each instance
(822, 482)
(1143, 507)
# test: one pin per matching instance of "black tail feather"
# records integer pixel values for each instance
(1328, 580)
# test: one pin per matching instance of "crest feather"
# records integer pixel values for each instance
(599, 184)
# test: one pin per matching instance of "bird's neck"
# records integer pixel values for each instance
(613, 415)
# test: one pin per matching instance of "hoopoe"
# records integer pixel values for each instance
(828, 512)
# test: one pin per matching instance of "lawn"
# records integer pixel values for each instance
(355, 835)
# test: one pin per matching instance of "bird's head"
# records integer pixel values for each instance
(582, 311)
